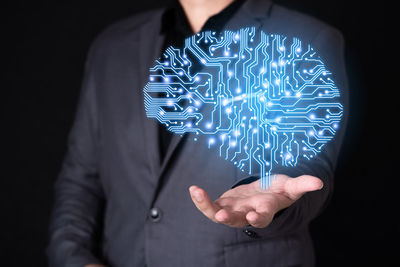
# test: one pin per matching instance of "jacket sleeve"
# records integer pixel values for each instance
(329, 44)
(79, 199)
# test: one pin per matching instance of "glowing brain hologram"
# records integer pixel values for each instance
(261, 100)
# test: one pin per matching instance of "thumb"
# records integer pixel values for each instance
(296, 187)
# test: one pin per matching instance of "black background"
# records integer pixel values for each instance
(45, 45)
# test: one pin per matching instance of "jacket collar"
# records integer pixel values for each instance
(252, 13)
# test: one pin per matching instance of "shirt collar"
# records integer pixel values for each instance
(174, 19)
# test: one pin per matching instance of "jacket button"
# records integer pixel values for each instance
(251, 233)
(155, 214)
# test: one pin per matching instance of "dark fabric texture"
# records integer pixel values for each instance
(112, 180)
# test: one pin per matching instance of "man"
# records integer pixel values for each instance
(122, 196)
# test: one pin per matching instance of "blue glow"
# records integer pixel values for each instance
(261, 100)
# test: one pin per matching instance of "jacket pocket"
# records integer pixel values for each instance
(283, 252)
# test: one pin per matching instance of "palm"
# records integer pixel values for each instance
(250, 204)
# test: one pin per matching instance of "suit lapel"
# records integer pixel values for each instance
(150, 44)
(149, 50)
(175, 141)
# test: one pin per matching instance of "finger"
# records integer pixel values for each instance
(296, 187)
(230, 218)
(203, 203)
(259, 220)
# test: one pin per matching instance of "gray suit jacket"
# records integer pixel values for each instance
(112, 177)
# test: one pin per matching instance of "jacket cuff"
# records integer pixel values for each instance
(67, 253)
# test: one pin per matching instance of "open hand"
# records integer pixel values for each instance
(249, 204)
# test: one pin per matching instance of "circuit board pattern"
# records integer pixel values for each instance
(260, 99)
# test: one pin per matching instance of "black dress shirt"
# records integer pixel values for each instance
(176, 28)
